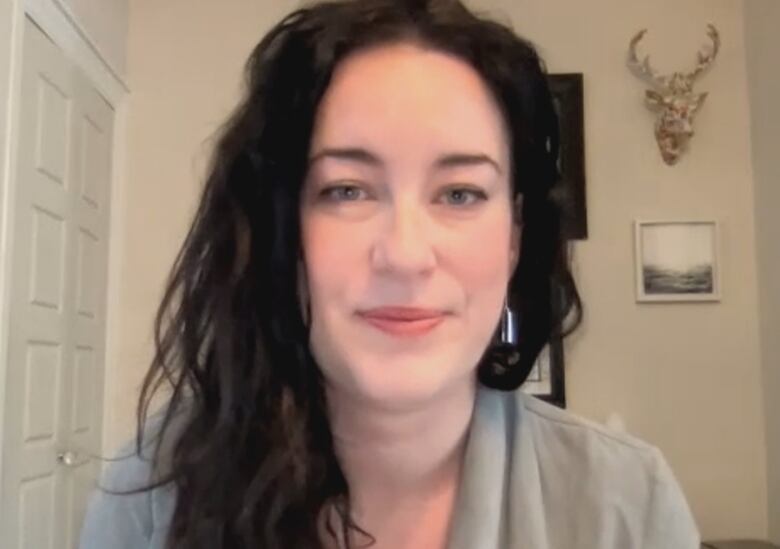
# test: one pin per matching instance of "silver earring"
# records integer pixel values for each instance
(508, 326)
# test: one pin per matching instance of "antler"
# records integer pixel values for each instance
(704, 58)
(643, 69)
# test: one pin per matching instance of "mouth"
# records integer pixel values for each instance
(404, 328)
(403, 321)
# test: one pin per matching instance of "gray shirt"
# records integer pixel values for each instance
(534, 477)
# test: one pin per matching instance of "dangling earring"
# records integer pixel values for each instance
(508, 326)
(503, 355)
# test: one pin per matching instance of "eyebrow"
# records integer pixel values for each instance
(363, 156)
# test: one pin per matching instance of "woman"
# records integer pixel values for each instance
(378, 206)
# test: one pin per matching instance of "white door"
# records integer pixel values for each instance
(54, 391)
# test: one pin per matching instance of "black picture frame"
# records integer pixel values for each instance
(555, 377)
(567, 92)
(557, 394)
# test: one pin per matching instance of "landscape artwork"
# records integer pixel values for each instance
(677, 261)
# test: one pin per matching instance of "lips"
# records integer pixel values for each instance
(403, 321)
(402, 313)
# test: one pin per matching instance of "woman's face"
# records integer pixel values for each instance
(406, 204)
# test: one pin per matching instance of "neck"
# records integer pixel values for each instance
(393, 455)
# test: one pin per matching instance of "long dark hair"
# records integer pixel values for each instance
(252, 461)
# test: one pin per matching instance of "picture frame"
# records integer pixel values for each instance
(677, 260)
(547, 379)
(567, 92)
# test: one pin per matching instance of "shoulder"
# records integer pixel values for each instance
(560, 435)
(136, 466)
(620, 465)
(124, 510)
(578, 439)
(599, 480)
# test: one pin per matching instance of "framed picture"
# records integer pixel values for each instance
(677, 261)
(567, 95)
(546, 380)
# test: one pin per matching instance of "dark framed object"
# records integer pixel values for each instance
(546, 380)
(567, 92)
(677, 260)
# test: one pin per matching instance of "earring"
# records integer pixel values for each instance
(508, 325)
(503, 355)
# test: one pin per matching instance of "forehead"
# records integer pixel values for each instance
(405, 94)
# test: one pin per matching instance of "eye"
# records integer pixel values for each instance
(460, 196)
(339, 193)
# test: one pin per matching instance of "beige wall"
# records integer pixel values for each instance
(762, 19)
(683, 376)
(105, 23)
(184, 77)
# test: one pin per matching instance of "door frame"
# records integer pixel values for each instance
(59, 23)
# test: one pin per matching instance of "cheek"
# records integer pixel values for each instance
(483, 256)
(334, 254)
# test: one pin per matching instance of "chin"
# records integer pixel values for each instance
(381, 372)
(401, 382)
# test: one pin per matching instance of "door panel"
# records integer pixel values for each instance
(58, 293)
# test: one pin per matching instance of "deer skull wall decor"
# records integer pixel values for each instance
(672, 96)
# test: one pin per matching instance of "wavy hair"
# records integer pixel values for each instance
(253, 462)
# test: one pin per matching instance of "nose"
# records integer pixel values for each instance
(404, 247)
